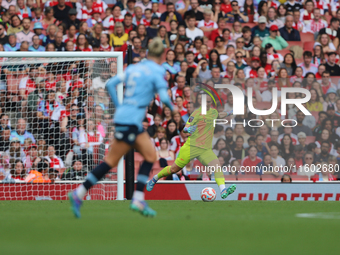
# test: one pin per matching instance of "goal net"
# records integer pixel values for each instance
(56, 123)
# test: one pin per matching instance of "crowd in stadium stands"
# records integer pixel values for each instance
(251, 44)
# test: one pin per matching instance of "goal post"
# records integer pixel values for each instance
(70, 69)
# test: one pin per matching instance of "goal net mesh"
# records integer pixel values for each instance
(56, 124)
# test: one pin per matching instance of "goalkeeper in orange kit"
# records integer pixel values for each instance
(201, 130)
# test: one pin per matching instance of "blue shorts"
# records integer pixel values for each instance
(127, 133)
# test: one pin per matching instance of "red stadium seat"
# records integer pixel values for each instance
(138, 156)
(263, 105)
(315, 115)
(166, 24)
(162, 8)
(248, 177)
(270, 177)
(310, 139)
(284, 52)
(299, 178)
(230, 177)
(207, 34)
(299, 61)
(293, 43)
(307, 37)
(308, 46)
(210, 44)
(251, 25)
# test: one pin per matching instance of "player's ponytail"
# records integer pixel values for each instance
(156, 48)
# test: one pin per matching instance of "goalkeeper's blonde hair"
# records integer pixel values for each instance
(156, 47)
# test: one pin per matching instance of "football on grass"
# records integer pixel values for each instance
(208, 194)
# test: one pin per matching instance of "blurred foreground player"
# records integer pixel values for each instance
(201, 130)
(142, 81)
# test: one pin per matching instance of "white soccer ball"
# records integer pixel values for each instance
(208, 194)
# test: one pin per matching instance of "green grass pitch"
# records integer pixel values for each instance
(181, 227)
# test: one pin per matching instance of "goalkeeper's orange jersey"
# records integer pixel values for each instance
(204, 133)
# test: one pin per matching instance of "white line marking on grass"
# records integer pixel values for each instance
(322, 215)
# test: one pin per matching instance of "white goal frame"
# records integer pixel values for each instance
(71, 54)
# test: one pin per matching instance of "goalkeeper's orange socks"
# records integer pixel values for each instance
(219, 178)
(163, 173)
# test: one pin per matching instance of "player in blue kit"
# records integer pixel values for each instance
(142, 82)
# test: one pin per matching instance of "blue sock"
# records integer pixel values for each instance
(143, 175)
(98, 173)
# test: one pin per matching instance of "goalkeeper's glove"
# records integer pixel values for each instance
(190, 129)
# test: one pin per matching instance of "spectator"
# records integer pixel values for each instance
(94, 39)
(38, 174)
(332, 31)
(272, 18)
(23, 46)
(15, 151)
(289, 33)
(331, 66)
(12, 44)
(72, 19)
(251, 71)
(251, 160)
(136, 42)
(61, 10)
(307, 65)
(50, 34)
(164, 151)
(194, 11)
(191, 31)
(3, 36)
(21, 133)
(130, 9)
(152, 30)
(207, 24)
(220, 29)
(36, 44)
(170, 65)
(53, 159)
(275, 39)
(324, 155)
(300, 127)
(141, 33)
(38, 30)
(86, 11)
(261, 30)
(16, 25)
(274, 152)
(128, 25)
(18, 171)
(5, 139)
(236, 14)
(266, 166)
(48, 19)
(177, 141)
(171, 14)
(75, 173)
(82, 43)
(248, 41)
(260, 146)
(58, 43)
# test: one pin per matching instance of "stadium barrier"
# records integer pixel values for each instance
(180, 190)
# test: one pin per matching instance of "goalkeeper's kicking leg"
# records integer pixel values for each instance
(184, 158)
(117, 150)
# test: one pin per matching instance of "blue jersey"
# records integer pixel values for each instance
(142, 82)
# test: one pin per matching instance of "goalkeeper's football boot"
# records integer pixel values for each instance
(228, 191)
(75, 203)
(150, 184)
(142, 207)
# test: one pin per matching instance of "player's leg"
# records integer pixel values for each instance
(182, 159)
(117, 150)
(208, 158)
(145, 147)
